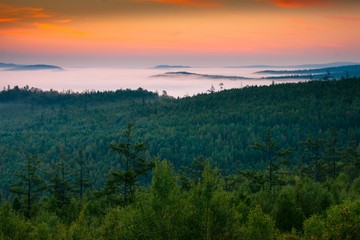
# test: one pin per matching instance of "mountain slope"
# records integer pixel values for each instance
(221, 126)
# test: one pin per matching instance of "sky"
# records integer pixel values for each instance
(202, 33)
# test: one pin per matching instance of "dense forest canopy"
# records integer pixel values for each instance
(221, 126)
(235, 159)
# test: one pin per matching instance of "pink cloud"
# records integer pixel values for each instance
(345, 19)
(194, 3)
(22, 13)
(299, 3)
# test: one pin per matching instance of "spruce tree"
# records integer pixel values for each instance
(133, 166)
(29, 184)
(272, 153)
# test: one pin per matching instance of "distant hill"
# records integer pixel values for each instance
(327, 65)
(321, 65)
(317, 73)
(309, 74)
(18, 67)
(255, 66)
(8, 65)
(171, 66)
(208, 76)
(313, 71)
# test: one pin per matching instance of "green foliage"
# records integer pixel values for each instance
(354, 190)
(220, 127)
(214, 212)
(315, 196)
(12, 225)
(314, 147)
(272, 154)
(59, 185)
(159, 213)
(265, 199)
(166, 208)
(134, 165)
(314, 228)
(312, 197)
(120, 223)
(259, 225)
(287, 214)
(343, 221)
(192, 174)
(29, 185)
(47, 225)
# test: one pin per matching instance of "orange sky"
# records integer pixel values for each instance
(206, 32)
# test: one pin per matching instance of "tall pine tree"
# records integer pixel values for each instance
(133, 165)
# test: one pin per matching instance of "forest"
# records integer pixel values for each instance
(261, 162)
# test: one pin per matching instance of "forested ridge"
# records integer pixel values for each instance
(275, 162)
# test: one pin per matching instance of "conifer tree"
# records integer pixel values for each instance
(332, 153)
(272, 153)
(59, 185)
(133, 165)
(29, 184)
(82, 180)
(314, 146)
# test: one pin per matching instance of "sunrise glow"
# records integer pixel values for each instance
(178, 27)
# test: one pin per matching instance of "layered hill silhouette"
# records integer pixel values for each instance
(22, 67)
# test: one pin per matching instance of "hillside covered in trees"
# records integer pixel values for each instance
(274, 162)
